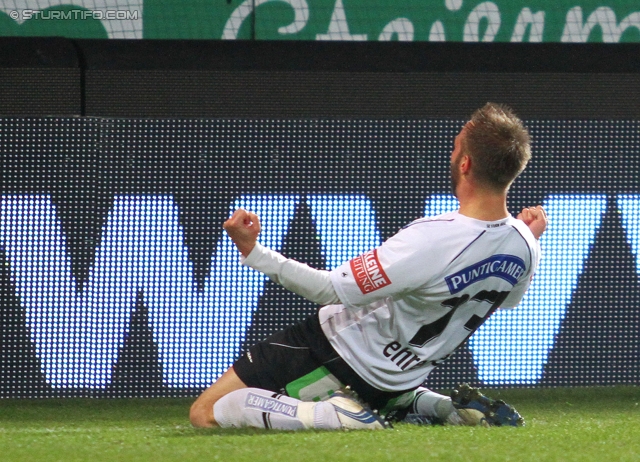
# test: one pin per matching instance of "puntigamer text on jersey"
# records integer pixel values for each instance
(507, 267)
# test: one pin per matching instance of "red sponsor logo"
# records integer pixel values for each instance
(368, 272)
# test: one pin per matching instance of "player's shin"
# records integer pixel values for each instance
(253, 407)
(437, 407)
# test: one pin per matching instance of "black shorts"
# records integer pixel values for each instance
(300, 362)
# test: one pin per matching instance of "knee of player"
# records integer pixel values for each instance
(201, 416)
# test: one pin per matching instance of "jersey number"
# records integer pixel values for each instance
(431, 331)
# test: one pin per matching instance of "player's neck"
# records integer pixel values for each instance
(483, 205)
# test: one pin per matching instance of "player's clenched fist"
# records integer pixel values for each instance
(535, 218)
(243, 228)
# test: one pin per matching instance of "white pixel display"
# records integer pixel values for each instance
(78, 333)
(326, 192)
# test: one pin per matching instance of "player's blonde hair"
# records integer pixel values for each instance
(498, 144)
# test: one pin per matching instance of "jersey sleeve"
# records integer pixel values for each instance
(399, 265)
(518, 291)
(312, 284)
(515, 296)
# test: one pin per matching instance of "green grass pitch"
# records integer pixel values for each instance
(564, 424)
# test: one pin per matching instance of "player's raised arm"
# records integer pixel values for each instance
(535, 218)
(243, 228)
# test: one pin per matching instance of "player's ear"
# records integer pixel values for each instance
(465, 164)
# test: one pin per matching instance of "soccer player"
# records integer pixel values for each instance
(391, 315)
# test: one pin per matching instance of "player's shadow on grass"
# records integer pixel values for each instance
(247, 431)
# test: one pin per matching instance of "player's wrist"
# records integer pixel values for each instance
(245, 248)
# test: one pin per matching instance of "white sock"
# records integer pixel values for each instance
(433, 404)
(253, 407)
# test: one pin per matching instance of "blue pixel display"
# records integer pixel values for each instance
(116, 271)
(77, 334)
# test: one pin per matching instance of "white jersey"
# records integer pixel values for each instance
(394, 312)
(412, 301)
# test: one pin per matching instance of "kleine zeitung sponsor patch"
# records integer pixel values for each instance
(368, 272)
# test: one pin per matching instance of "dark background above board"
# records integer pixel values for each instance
(227, 79)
